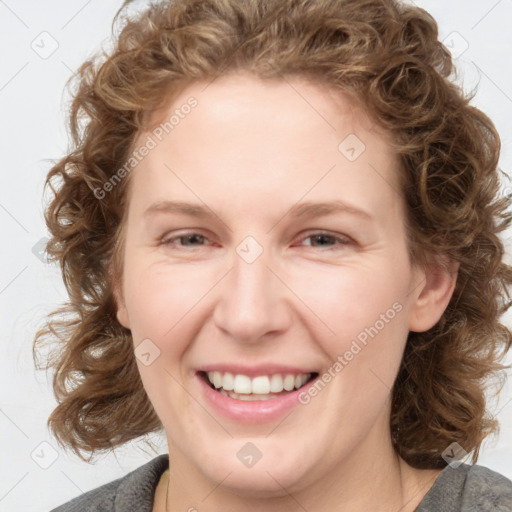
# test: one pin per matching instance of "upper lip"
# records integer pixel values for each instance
(255, 370)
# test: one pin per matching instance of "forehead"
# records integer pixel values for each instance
(246, 138)
(234, 97)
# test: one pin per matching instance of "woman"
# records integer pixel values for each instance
(279, 231)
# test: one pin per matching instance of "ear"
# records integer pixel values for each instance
(121, 311)
(432, 294)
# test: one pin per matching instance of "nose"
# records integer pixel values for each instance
(253, 301)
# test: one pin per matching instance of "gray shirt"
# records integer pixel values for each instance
(466, 488)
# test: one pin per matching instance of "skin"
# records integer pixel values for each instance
(249, 151)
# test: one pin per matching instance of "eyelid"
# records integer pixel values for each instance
(342, 239)
(165, 239)
(316, 232)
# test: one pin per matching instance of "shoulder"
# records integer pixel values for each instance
(133, 492)
(487, 490)
(468, 488)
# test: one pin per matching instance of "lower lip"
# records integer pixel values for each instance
(258, 411)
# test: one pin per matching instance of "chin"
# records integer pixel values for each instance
(256, 466)
(259, 482)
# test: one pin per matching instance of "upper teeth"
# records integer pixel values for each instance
(261, 385)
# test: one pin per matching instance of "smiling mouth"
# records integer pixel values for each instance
(262, 387)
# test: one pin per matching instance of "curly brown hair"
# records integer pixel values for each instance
(386, 55)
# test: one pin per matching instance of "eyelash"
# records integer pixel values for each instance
(341, 240)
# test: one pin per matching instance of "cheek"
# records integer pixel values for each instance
(162, 304)
(366, 310)
(161, 298)
(352, 302)
(367, 313)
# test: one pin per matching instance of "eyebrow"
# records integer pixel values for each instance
(305, 209)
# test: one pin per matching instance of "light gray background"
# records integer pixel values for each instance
(33, 132)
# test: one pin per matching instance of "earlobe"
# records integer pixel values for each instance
(435, 286)
(121, 311)
(122, 317)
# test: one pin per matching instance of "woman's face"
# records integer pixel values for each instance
(265, 244)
